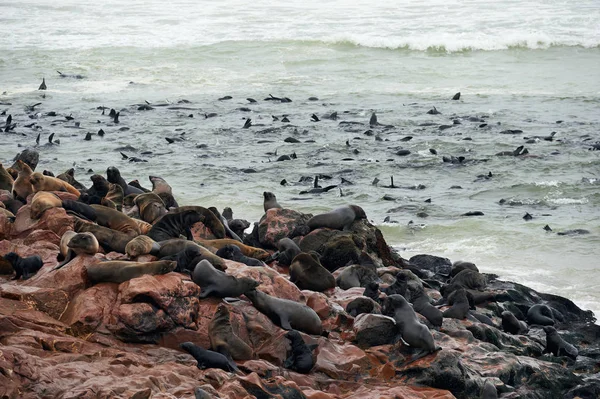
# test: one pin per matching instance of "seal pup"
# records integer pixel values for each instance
(556, 345)
(121, 271)
(233, 252)
(541, 315)
(49, 183)
(288, 250)
(208, 359)
(285, 313)
(42, 201)
(22, 185)
(24, 267)
(113, 175)
(356, 276)
(73, 244)
(412, 331)
(270, 201)
(217, 283)
(223, 339)
(360, 305)
(338, 219)
(307, 273)
(142, 245)
(372, 291)
(299, 358)
(6, 180)
(187, 254)
(512, 325)
(172, 225)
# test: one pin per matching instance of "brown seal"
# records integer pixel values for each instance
(159, 185)
(6, 180)
(210, 219)
(270, 201)
(49, 183)
(150, 206)
(337, 219)
(144, 227)
(175, 246)
(116, 220)
(42, 201)
(121, 271)
(73, 244)
(223, 339)
(22, 185)
(69, 177)
(114, 197)
(141, 245)
(307, 273)
(109, 239)
(219, 284)
(286, 313)
(252, 252)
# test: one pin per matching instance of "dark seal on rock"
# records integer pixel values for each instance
(558, 346)
(512, 325)
(300, 357)
(270, 201)
(287, 251)
(356, 276)
(285, 313)
(121, 271)
(208, 359)
(460, 306)
(338, 219)
(24, 267)
(217, 283)
(541, 315)
(172, 225)
(233, 252)
(307, 273)
(223, 339)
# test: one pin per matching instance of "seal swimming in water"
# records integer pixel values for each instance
(24, 267)
(73, 244)
(413, 332)
(299, 358)
(286, 313)
(208, 359)
(270, 201)
(338, 219)
(556, 345)
(121, 271)
(217, 283)
(307, 273)
(223, 339)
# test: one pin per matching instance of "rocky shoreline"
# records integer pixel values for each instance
(63, 337)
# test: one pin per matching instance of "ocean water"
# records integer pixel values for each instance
(531, 66)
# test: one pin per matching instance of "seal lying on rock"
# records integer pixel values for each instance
(307, 273)
(541, 315)
(73, 244)
(141, 245)
(233, 252)
(300, 357)
(208, 359)
(187, 254)
(43, 201)
(338, 219)
(285, 313)
(172, 225)
(412, 331)
(24, 267)
(121, 271)
(217, 283)
(288, 250)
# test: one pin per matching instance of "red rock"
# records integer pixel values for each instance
(90, 308)
(5, 227)
(200, 231)
(54, 219)
(279, 223)
(272, 282)
(46, 250)
(338, 360)
(48, 300)
(71, 278)
(318, 302)
(41, 235)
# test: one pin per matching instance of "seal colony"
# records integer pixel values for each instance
(122, 234)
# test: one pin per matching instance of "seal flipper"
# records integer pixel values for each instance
(205, 293)
(285, 322)
(70, 255)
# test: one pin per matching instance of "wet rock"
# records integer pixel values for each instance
(374, 329)
(279, 223)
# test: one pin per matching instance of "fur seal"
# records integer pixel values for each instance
(223, 339)
(210, 219)
(121, 271)
(73, 244)
(488, 391)
(372, 291)
(541, 315)
(471, 279)
(99, 189)
(115, 220)
(151, 207)
(299, 359)
(43, 200)
(113, 198)
(217, 283)
(109, 239)
(144, 227)
(338, 219)
(460, 265)
(22, 185)
(187, 254)
(556, 345)
(286, 313)
(228, 231)
(356, 276)
(270, 201)
(160, 185)
(413, 332)
(422, 305)
(288, 250)
(233, 252)
(208, 359)
(114, 176)
(6, 180)
(69, 177)
(79, 209)
(142, 245)
(48, 183)
(24, 267)
(512, 325)
(253, 252)
(307, 273)
(360, 305)
(460, 306)
(172, 225)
